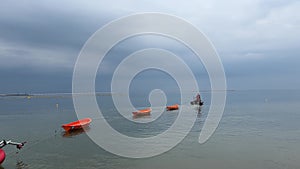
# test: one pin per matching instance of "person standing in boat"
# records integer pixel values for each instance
(198, 99)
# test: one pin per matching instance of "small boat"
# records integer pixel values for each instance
(200, 103)
(77, 124)
(143, 112)
(172, 107)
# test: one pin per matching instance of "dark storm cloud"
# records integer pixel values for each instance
(20, 80)
(256, 40)
(47, 29)
(45, 34)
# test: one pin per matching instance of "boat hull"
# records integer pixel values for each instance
(79, 124)
(173, 107)
(144, 112)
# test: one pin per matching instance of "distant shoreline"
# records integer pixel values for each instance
(70, 94)
(114, 93)
(15, 94)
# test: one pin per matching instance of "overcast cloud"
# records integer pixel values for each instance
(257, 40)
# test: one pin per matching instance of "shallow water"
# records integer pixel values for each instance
(259, 129)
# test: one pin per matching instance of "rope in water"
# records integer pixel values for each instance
(31, 144)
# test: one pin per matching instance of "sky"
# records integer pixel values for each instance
(257, 40)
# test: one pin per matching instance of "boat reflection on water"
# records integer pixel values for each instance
(142, 117)
(199, 114)
(197, 108)
(75, 132)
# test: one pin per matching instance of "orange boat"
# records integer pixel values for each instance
(143, 112)
(172, 107)
(77, 124)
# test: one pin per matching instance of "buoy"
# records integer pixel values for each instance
(2, 156)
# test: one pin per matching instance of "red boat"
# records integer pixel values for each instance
(143, 112)
(77, 124)
(172, 107)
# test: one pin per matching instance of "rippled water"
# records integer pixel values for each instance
(259, 129)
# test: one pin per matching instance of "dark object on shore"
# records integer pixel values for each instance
(17, 94)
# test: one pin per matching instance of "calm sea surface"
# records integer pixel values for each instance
(259, 129)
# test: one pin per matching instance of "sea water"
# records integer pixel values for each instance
(259, 129)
